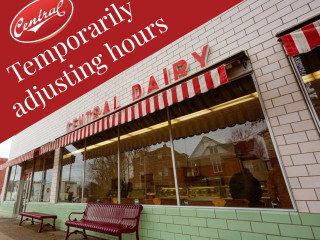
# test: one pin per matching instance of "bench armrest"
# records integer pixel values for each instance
(74, 213)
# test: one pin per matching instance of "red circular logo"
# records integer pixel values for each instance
(41, 20)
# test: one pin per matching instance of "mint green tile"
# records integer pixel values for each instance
(239, 225)
(271, 237)
(296, 231)
(200, 222)
(276, 217)
(229, 235)
(181, 220)
(268, 228)
(173, 211)
(217, 223)
(311, 219)
(153, 218)
(143, 217)
(154, 234)
(226, 214)
(198, 238)
(295, 218)
(147, 210)
(182, 237)
(253, 236)
(207, 213)
(143, 232)
(146, 225)
(167, 235)
(174, 228)
(316, 232)
(160, 226)
(159, 210)
(190, 230)
(190, 212)
(248, 215)
(208, 232)
(166, 219)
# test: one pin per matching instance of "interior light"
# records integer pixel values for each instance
(311, 77)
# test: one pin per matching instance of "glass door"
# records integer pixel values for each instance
(26, 185)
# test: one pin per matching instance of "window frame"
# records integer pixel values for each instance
(304, 91)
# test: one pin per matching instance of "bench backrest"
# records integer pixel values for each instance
(112, 213)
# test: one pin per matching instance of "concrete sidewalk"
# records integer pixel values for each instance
(10, 230)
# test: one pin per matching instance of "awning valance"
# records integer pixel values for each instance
(200, 84)
(302, 40)
(20, 159)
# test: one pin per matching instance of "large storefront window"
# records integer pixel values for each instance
(146, 168)
(308, 65)
(72, 172)
(230, 160)
(36, 184)
(101, 169)
(222, 152)
(42, 178)
(13, 183)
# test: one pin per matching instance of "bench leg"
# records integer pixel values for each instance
(40, 228)
(120, 237)
(67, 233)
(32, 222)
(137, 234)
(84, 234)
(54, 224)
(21, 221)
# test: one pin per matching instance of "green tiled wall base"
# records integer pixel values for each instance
(7, 209)
(175, 223)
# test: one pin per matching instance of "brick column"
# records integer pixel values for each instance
(55, 176)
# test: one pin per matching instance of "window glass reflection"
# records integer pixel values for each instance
(146, 169)
(36, 187)
(72, 172)
(308, 65)
(231, 165)
(42, 178)
(101, 178)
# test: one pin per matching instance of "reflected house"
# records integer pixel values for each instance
(214, 159)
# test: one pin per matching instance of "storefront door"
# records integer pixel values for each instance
(26, 184)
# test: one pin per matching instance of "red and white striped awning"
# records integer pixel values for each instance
(20, 159)
(200, 84)
(302, 40)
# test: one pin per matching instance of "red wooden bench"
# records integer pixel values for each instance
(112, 219)
(39, 216)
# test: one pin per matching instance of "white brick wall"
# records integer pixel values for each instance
(251, 26)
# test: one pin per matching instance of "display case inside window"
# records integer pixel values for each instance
(146, 169)
(308, 66)
(72, 170)
(101, 169)
(229, 156)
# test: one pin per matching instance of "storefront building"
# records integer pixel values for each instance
(217, 134)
